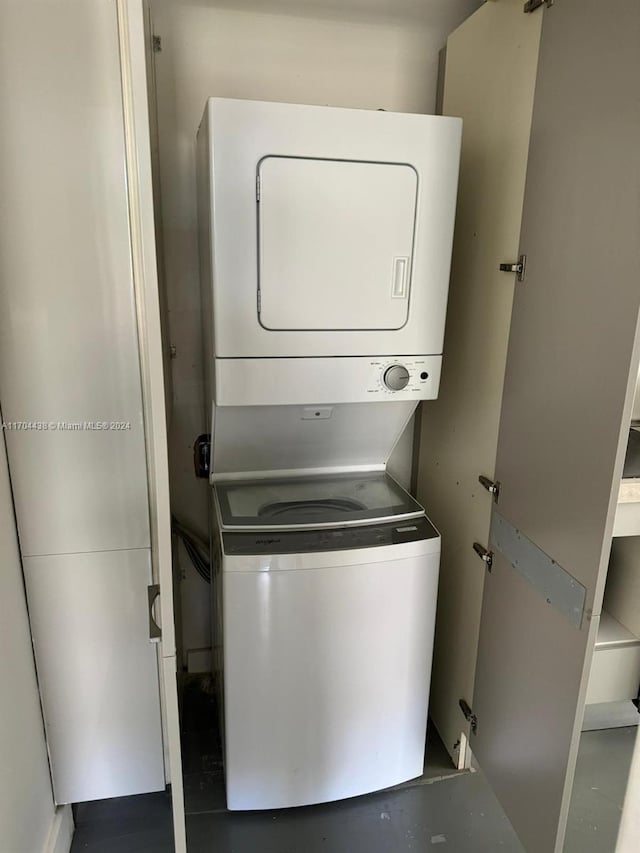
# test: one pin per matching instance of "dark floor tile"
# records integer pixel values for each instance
(142, 809)
(201, 751)
(151, 840)
(204, 792)
(198, 709)
(124, 825)
(437, 759)
(459, 813)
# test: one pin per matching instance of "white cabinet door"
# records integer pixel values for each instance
(69, 364)
(97, 673)
(571, 369)
(336, 243)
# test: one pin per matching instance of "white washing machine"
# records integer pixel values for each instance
(326, 589)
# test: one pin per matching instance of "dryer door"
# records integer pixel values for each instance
(335, 243)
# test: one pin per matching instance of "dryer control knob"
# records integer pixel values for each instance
(396, 377)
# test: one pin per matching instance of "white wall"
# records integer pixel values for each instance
(29, 821)
(26, 802)
(353, 53)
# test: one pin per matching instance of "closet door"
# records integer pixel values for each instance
(571, 368)
(491, 65)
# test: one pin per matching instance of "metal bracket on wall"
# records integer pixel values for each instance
(519, 268)
(532, 5)
(560, 589)
(469, 715)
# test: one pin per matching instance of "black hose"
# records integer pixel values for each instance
(196, 549)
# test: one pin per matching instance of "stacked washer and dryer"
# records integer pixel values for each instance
(325, 240)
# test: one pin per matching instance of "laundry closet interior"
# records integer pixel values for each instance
(365, 334)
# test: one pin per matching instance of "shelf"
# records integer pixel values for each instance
(615, 670)
(611, 634)
(627, 520)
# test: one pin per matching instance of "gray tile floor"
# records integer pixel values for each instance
(602, 770)
(456, 815)
(443, 812)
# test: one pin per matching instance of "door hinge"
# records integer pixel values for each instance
(257, 187)
(469, 715)
(156, 44)
(492, 487)
(519, 268)
(485, 555)
(532, 5)
(155, 631)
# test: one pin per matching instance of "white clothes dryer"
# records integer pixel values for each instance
(325, 235)
(326, 588)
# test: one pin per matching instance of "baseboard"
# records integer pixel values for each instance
(61, 832)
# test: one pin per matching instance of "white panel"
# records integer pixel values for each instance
(286, 381)
(491, 63)
(288, 438)
(335, 243)
(615, 669)
(615, 675)
(341, 711)
(68, 346)
(636, 401)
(26, 800)
(242, 133)
(627, 519)
(98, 673)
(622, 594)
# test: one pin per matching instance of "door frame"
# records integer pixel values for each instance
(131, 32)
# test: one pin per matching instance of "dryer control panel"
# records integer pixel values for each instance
(410, 375)
(318, 381)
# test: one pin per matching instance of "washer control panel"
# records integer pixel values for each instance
(330, 539)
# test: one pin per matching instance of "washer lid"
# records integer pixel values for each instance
(319, 501)
(335, 243)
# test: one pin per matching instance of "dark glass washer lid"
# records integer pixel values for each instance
(318, 501)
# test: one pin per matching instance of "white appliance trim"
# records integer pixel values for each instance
(362, 522)
(296, 472)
